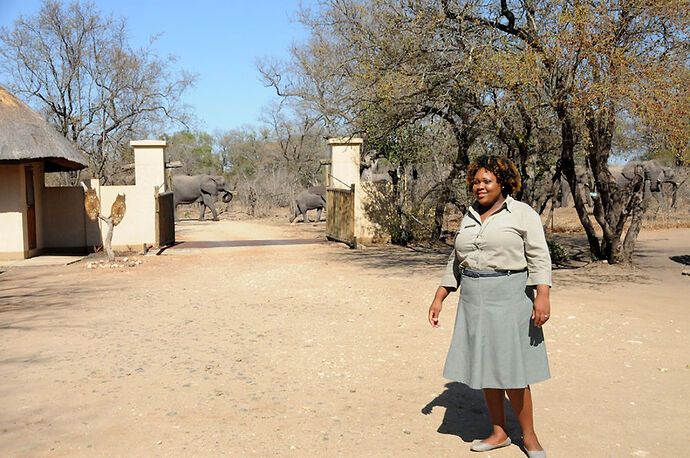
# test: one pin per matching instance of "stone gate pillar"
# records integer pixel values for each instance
(345, 153)
(149, 163)
(345, 162)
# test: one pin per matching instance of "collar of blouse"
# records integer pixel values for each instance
(507, 204)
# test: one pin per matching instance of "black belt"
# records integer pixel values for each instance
(495, 273)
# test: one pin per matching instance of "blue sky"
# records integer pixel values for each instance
(219, 41)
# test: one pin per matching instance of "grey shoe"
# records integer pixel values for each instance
(484, 447)
(536, 453)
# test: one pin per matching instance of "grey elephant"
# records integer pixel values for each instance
(202, 189)
(655, 175)
(313, 198)
(564, 197)
(371, 170)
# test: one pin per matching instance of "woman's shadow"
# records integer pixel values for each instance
(466, 415)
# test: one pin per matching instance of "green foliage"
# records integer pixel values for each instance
(194, 150)
(665, 156)
(559, 254)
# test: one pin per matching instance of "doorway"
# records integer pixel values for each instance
(30, 207)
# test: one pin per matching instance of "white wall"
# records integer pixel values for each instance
(12, 202)
(138, 227)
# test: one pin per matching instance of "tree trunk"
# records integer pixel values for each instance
(107, 242)
(465, 138)
(568, 170)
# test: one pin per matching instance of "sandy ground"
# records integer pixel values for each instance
(258, 346)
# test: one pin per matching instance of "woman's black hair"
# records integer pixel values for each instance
(505, 170)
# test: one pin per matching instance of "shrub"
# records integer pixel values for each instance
(557, 251)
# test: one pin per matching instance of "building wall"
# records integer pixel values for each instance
(12, 202)
(138, 227)
(61, 220)
(64, 219)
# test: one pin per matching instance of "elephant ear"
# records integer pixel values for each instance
(208, 185)
(631, 169)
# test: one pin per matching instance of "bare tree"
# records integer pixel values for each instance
(77, 66)
(592, 59)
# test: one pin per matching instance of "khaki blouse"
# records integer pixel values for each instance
(512, 238)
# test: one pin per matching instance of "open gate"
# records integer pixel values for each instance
(340, 215)
(165, 219)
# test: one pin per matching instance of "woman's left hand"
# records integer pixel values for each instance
(542, 306)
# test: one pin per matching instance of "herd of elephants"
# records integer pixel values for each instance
(203, 189)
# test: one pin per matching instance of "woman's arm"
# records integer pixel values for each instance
(437, 304)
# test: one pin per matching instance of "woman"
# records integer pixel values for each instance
(500, 258)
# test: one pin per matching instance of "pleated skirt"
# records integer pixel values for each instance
(495, 343)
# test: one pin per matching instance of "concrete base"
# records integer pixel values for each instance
(48, 260)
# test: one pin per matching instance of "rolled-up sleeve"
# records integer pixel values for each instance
(536, 251)
(451, 277)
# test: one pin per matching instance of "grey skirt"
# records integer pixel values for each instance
(495, 343)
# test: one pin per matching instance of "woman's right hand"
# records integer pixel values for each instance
(437, 305)
(434, 312)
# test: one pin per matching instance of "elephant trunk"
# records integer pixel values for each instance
(227, 196)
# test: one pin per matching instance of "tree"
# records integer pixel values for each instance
(270, 164)
(194, 151)
(380, 70)
(77, 66)
(595, 60)
(384, 69)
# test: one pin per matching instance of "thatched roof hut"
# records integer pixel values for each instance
(27, 137)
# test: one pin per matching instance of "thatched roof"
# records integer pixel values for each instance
(25, 137)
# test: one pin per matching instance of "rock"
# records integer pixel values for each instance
(131, 263)
(125, 259)
(686, 272)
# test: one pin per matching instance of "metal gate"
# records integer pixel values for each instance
(340, 215)
(165, 219)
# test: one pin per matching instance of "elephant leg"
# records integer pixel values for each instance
(294, 216)
(674, 196)
(318, 214)
(208, 202)
(304, 214)
(659, 196)
(202, 210)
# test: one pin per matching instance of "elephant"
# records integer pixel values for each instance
(371, 170)
(199, 188)
(312, 198)
(564, 197)
(655, 175)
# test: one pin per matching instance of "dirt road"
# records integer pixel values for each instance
(267, 347)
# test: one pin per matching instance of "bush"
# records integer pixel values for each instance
(557, 251)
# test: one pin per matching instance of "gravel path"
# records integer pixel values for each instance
(310, 349)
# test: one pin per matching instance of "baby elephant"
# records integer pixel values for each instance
(312, 198)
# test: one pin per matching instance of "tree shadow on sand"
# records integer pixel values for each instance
(466, 415)
(682, 259)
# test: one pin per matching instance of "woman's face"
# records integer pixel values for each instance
(486, 188)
